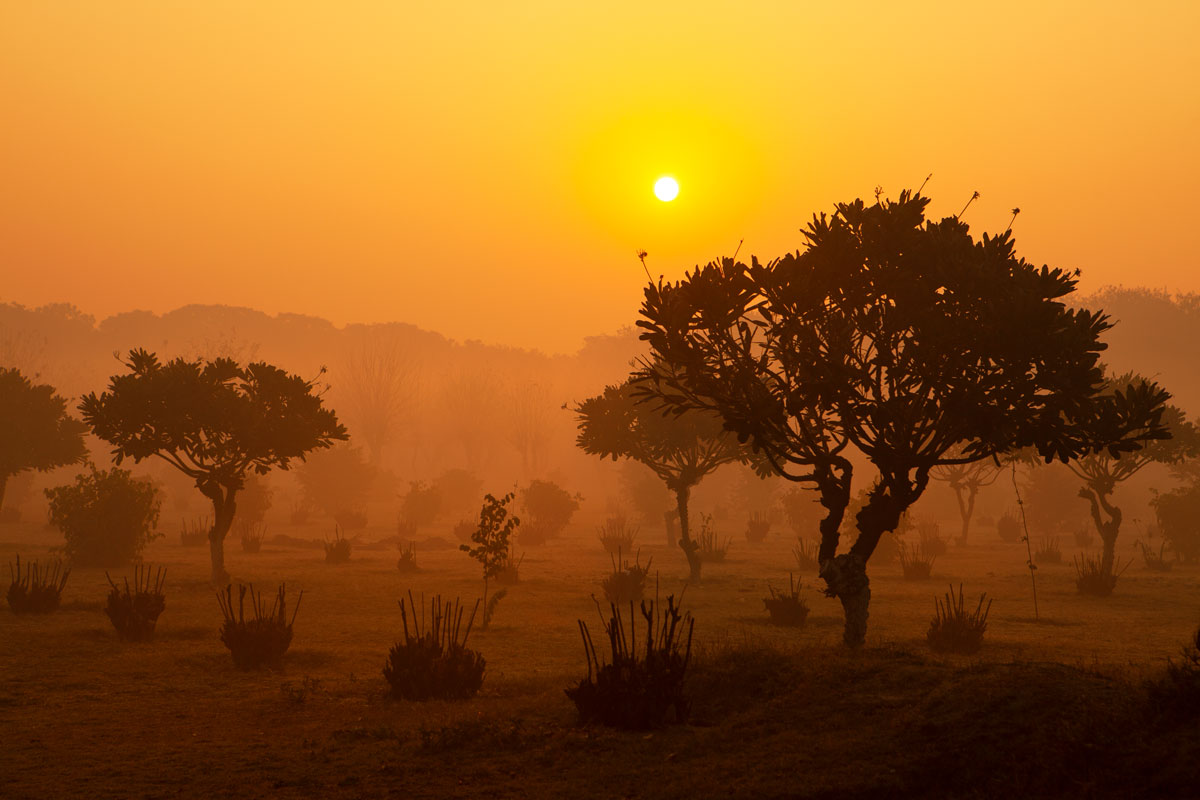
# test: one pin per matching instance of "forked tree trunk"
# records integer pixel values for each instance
(224, 509)
(966, 508)
(1107, 528)
(689, 547)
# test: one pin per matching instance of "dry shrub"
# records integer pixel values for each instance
(1156, 561)
(757, 527)
(1048, 551)
(464, 530)
(433, 662)
(135, 611)
(930, 536)
(1083, 537)
(262, 639)
(194, 532)
(915, 563)
(509, 571)
(640, 687)
(805, 552)
(251, 535)
(533, 534)
(37, 589)
(406, 530)
(786, 609)
(337, 551)
(709, 546)
(627, 583)
(953, 630)
(617, 535)
(407, 563)
(1093, 579)
(1008, 527)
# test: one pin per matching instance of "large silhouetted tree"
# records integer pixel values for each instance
(904, 339)
(214, 421)
(1102, 471)
(680, 448)
(35, 430)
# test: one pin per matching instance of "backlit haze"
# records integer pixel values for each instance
(486, 170)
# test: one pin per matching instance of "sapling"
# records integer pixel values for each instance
(492, 550)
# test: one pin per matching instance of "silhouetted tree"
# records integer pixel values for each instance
(680, 448)
(214, 421)
(35, 430)
(904, 339)
(380, 387)
(337, 481)
(1102, 471)
(965, 480)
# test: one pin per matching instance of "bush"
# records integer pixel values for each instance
(458, 490)
(786, 609)
(194, 533)
(464, 530)
(709, 546)
(338, 550)
(916, 564)
(1048, 551)
(1177, 694)
(107, 517)
(1155, 559)
(36, 589)
(805, 552)
(337, 481)
(1008, 527)
(1093, 579)
(930, 535)
(265, 637)
(134, 612)
(953, 630)
(250, 534)
(549, 506)
(627, 582)
(637, 689)
(617, 535)
(433, 662)
(1178, 516)
(407, 563)
(757, 527)
(421, 504)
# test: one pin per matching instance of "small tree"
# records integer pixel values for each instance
(550, 507)
(107, 517)
(337, 481)
(680, 448)
(492, 541)
(36, 433)
(1103, 471)
(965, 480)
(214, 421)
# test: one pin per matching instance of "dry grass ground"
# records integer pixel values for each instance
(1049, 707)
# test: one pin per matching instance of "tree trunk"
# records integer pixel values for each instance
(669, 518)
(224, 509)
(3, 486)
(846, 579)
(966, 509)
(1107, 528)
(690, 548)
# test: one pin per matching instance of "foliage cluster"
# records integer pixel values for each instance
(433, 661)
(106, 516)
(134, 611)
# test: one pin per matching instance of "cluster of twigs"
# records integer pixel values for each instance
(194, 533)
(805, 551)
(252, 535)
(930, 535)
(1048, 551)
(708, 546)
(433, 661)
(617, 535)
(1156, 561)
(786, 609)
(627, 582)
(37, 589)
(262, 639)
(916, 564)
(953, 629)
(640, 686)
(757, 527)
(407, 563)
(1092, 578)
(134, 611)
(338, 550)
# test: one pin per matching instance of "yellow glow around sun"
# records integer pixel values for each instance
(666, 188)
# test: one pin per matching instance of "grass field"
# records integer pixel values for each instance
(1042, 709)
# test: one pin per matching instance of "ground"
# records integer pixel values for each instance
(1053, 705)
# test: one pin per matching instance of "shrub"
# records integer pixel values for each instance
(107, 517)
(1177, 694)
(493, 548)
(930, 535)
(134, 612)
(407, 563)
(627, 582)
(638, 688)
(251, 535)
(36, 589)
(617, 535)
(802, 509)
(1048, 551)
(1008, 527)
(338, 550)
(433, 661)
(1155, 560)
(458, 490)
(549, 506)
(1092, 578)
(254, 499)
(916, 564)
(953, 630)
(786, 609)
(405, 530)
(421, 504)
(464, 530)
(337, 481)
(194, 533)
(757, 527)
(1178, 515)
(805, 552)
(533, 534)
(1083, 537)
(262, 639)
(709, 546)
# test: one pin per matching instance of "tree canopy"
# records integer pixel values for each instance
(35, 430)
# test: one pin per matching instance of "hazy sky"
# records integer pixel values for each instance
(485, 169)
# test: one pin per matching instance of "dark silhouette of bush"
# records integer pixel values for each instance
(757, 527)
(788, 609)
(954, 629)
(1094, 578)
(433, 662)
(458, 490)
(135, 611)
(641, 685)
(548, 506)
(37, 589)
(337, 482)
(421, 505)
(194, 532)
(617, 535)
(107, 517)
(1178, 515)
(627, 582)
(1008, 527)
(915, 563)
(262, 639)
(337, 551)
(407, 563)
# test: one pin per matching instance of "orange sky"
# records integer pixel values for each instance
(486, 172)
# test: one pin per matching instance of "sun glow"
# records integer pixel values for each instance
(666, 189)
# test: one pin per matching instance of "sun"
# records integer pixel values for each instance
(666, 188)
